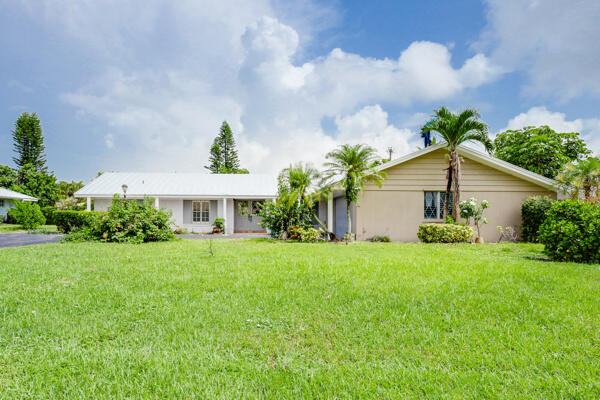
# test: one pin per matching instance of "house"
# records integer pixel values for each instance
(7, 201)
(414, 192)
(195, 199)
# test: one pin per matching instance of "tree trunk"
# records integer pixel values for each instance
(349, 230)
(456, 182)
(448, 189)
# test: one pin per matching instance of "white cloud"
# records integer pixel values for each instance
(239, 62)
(554, 41)
(536, 116)
(109, 140)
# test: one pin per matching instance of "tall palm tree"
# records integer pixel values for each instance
(352, 166)
(584, 175)
(298, 178)
(455, 129)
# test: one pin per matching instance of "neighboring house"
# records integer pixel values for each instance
(414, 191)
(7, 201)
(195, 199)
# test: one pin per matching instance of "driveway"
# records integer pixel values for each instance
(26, 239)
(232, 236)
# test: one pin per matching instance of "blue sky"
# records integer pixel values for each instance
(144, 85)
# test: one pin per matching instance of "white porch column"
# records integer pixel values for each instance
(156, 203)
(330, 212)
(228, 215)
(88, 205)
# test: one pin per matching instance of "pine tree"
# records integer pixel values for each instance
(223, 155)
(29, 142)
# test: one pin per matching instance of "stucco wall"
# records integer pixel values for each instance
(396, 209)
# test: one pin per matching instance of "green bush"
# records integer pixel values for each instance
(219, 223)
(27, 214)
(533, 213)
(287, 212)
(382, 239)
(444, 233)
(309, 235)
(69, 220)
(571, 231)
(48, 212)
(129, 222)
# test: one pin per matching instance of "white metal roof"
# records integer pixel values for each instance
(11, 194)
(181, 185)
(483, 158)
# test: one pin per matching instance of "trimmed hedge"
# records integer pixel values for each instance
(444, 233)
(69, 220)
(533, 214)
(48, 212)
(571, 231)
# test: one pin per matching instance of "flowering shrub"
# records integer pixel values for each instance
(533, 213)
(128, 221)
(444, 233)
(571, 231)
(309, 235)
(470, 209)
(27, 214)
(280, 216)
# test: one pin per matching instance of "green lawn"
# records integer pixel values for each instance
(11, 228)
(263, 319)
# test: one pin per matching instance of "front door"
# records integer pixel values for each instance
(246, 216)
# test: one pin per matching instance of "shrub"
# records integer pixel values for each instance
(280, 216)
(27, 214)
(130, 222)
(571, 231)
(48, 212)
(302, 234)
(444, 233)
(533, 213)
(470, 209)
(219, 225)
(382, 239)
(68, 220)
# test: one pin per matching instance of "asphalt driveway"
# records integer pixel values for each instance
(26, 239)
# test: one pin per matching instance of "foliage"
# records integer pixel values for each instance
(48, 212)
(70, 203)
(533, 213)
(539, 149)
(382, 239)
(27, 214)
(8, 176)
(28, 142)
(130, 222)
(67, 189)
(571, 231)
(507, 234)
(219, 223)
(298, 178)
(400, 321)
(69, 220)
(37, 183)
(471, 209)
(582, 176)
(303, 234)
(223, 155)
(287, 211)
(444, 233)
(456, 129)
(351, 166)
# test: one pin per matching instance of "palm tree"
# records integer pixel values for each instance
(298, 178)
(455, 129)
(351, 166)
(584, 175)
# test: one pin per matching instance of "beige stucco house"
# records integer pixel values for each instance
(414, 192)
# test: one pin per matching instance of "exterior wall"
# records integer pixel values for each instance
(396, 209)
(8, 204)
(102, 204)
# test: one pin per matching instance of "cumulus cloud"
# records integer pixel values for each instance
(536, 116)
(554, 41)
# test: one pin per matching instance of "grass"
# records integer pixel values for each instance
(12, 228)
(264, 319)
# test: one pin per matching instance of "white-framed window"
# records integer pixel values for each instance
(200, 211)
(433, 205)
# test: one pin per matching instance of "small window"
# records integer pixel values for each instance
(200, 211)
(433, 207)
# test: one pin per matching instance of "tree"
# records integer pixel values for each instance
(8, 176)
(455, 129)
(68, 189)
(540, 149)
(28, 142)
(581, 176)
(223, 155)
(39, 184)
(351, 166)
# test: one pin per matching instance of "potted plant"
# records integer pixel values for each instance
(218, 225)
(471, 209)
